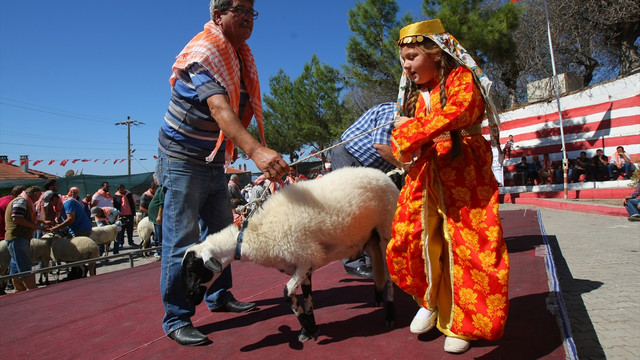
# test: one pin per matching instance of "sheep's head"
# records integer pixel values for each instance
(197, 275)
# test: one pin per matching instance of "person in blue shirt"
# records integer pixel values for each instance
(75, 218)
(373, 149)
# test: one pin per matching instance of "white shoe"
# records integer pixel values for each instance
(455, 345)
(423, 321)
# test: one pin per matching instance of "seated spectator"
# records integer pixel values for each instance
(534, 169)
(582, 166)
(600, 163)
(620, 162)
(632, 203)
(546, 172)
(522, 172)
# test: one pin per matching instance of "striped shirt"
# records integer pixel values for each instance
(362, 147)
(189, 132)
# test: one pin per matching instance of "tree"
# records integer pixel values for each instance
(485, 29)
(373, 69)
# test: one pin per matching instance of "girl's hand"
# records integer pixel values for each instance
(401, 120)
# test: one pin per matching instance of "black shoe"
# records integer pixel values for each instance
(362, 271)
(189, 336)
(235, 306)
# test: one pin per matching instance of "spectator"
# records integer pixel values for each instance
(508, 146)
(156, 207)
(371, 150)
(74, 193)
(52, 184)
(234, 189)
(146, 197)
(102, 197)
(632, 203)
(582, 166)
(20, 223)
(620, 162)
(522, 172)
(534, 170)
(600, 164)
(107, 215)
(546, 173)
(125, 202)
(192, 175)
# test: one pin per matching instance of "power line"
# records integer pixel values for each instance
(52, 111)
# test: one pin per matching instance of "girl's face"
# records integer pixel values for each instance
(421, 66)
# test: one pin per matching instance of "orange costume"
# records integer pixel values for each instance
(447, 249)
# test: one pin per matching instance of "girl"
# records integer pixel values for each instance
(447, 249)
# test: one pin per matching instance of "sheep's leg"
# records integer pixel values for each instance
(377, 251)
(305, 316)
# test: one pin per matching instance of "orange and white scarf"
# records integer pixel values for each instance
(212, 50)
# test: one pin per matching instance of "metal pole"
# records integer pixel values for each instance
(556, 83)
(128, 145)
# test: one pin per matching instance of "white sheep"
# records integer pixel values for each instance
(145, 230)
(74, 249)
(40, 252)
(302, 228)
(105, 235)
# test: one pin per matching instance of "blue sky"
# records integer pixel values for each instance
(70, 70)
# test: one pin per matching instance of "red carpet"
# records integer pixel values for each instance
(118, 315)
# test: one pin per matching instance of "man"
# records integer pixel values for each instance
(522, 172)
(156, 208)
(370, 150)
(125, 202)
(234, 189)
(146, 197)
(632, 203)
(547, 170)
(45, 208)
(106, 216)
(221, 101)
(20, 223)
(600, 164)
(102, 197)
(4, 203)
(620, 162)
(75, 218)
(582, 166)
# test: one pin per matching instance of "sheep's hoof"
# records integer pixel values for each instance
(306, 336)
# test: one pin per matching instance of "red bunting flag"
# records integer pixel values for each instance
(51, 162)
(22, 162)
(115, 161)
(85, 160)
(75, 161)
(122, 160)
(155, 157)
(96, 160)
(63, 162)
(11, 162)
(301, 152)
(37, 162)
(105, 161)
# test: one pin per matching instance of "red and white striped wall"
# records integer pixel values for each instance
(603, 116)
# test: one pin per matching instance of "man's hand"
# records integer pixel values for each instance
(270, 163)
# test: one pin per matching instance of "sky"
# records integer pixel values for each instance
(70, 70)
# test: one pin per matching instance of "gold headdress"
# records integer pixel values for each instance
(416, 32)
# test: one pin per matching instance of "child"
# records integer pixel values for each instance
(447, 248)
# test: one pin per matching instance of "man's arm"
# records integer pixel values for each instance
(267, 160)
(387, 154)
(71, 218)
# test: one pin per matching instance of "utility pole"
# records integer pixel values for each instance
(129, 122)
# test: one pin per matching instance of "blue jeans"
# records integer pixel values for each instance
(627, 167)
(19, 250)
(157, 237)
(193, 192)
(632, 206)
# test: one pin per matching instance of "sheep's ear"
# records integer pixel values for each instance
(213, 265)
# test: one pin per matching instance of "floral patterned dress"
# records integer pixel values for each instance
(447, 248)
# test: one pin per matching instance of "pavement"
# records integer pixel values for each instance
(598, 266)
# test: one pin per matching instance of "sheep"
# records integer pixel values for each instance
(74, 249)
(39, 251)
(145, 230)
(302, 228)
(104, 235)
